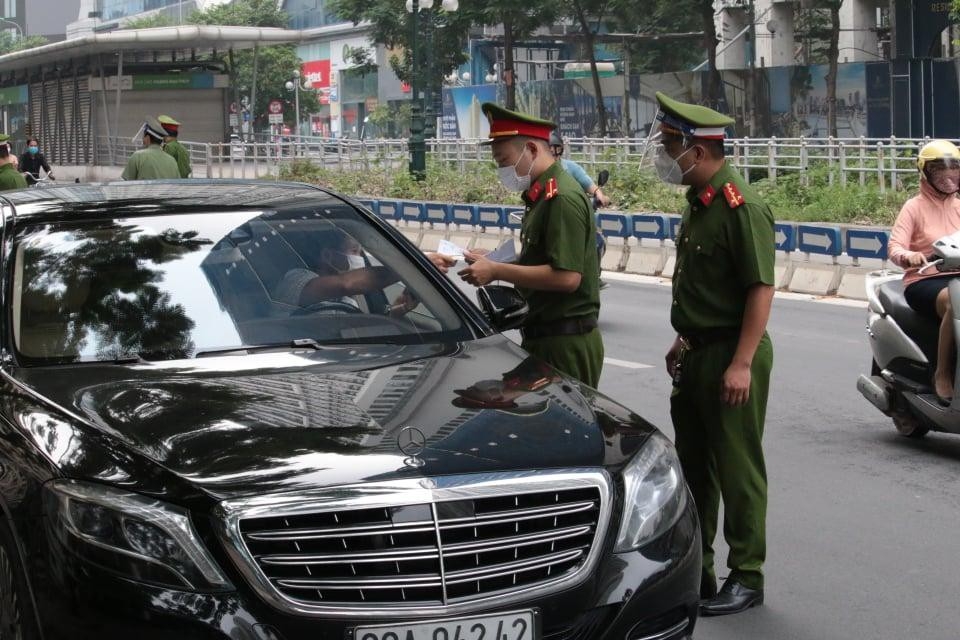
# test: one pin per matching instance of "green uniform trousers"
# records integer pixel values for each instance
(720, 450)
(578, 356)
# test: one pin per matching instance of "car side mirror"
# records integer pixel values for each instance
(504, 306)
(603, 177)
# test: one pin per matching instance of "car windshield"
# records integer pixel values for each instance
(189, 285)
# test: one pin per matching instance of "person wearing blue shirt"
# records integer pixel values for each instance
(579, 173)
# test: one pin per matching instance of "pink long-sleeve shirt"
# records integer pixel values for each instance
(924, 219)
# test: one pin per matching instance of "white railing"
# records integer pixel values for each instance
(881, 162)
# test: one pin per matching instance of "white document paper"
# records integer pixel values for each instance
(451, 249)
(506, 252)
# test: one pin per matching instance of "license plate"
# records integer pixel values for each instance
(518, 625)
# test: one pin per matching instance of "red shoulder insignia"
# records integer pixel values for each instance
(552, 189)
(533, 193)
(733, 195)
(708, 194)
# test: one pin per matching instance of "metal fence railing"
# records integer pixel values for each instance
(882, 162)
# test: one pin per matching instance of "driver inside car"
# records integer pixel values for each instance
(341, 276)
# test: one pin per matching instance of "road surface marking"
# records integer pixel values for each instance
(627, 364)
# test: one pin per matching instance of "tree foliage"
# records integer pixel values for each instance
(149, 22)
(10, 42)
(275, 65)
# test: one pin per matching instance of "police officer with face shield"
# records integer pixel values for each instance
(721, 359)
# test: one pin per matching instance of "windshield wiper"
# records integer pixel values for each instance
(297, 343)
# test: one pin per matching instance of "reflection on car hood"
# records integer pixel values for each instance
(334, 416)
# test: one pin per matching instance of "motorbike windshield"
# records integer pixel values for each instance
(185, 285)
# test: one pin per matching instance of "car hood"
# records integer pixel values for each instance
(237, 426)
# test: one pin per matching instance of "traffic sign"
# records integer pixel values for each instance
(650, 226)
(234, 108)
(275, 118)
(784, 237)
(614, 224)
(821, 240)
(276, 106)
(234, 120)
(867, 243)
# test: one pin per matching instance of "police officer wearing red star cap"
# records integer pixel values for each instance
(558, 259)
(721, 359)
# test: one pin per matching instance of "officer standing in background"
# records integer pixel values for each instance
(720, 362)
(10, 178)
(150, 163)
(558, 248)
(173, 147)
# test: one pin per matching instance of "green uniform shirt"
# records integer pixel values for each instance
(558, 230)
(10, 178)
(150, 164)
(721, 251)
(179, 153)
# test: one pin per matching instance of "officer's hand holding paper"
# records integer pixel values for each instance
(481, 269)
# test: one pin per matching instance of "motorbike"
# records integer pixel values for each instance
(904, 346)
(602, 179)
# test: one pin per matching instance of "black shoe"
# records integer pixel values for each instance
(733, 598)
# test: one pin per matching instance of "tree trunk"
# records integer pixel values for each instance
(236, 91)
(507, 74)
(589, 39)
(714, 86)
(833, 55)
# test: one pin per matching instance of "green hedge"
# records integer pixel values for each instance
(630, 189)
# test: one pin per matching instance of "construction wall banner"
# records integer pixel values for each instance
(873, 99)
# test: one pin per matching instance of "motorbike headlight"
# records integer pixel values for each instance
(135, 536)
(654, 494)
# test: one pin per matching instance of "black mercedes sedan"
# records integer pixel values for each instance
(255, 411)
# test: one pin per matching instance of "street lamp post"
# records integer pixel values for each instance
(19, 28)
(296, 86)
(417, 143)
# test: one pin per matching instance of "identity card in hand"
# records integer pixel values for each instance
(451, 249)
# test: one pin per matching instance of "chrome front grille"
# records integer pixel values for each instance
(439, 550)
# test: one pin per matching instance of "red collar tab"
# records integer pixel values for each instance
(708, 194)
(733, 195)
(533, 193)
(552, 189)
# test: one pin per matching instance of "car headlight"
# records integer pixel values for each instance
(654, 494)
(132, 535)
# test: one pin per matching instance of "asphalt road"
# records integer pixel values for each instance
(863, 524)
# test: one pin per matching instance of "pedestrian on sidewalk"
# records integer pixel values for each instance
(556, 268)
(173, 147)
(721, 359)
(150, 163)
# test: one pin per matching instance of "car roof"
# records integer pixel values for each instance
(166, 196)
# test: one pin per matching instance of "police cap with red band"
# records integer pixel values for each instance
(506, 124)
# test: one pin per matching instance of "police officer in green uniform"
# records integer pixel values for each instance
(151, 163)
(10, 177)
(173, 147)
(558, 248)
(723, 288)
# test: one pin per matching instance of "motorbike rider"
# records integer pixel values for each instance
(928, 216)
(32, 160)
(579, 174)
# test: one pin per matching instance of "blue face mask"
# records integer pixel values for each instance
(33, 150)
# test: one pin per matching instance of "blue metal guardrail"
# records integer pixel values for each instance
(825, 240)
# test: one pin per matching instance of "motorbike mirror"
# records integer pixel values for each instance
(504, 306)
(603, 177)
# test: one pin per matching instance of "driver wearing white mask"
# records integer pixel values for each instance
(340, 275)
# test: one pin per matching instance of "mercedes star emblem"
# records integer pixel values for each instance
(411, 441)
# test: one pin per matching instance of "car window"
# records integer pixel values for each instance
(178, 286)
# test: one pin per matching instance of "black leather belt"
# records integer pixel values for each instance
(571, 327)
(700, 339)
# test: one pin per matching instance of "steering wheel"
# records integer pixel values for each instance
(327, 305)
